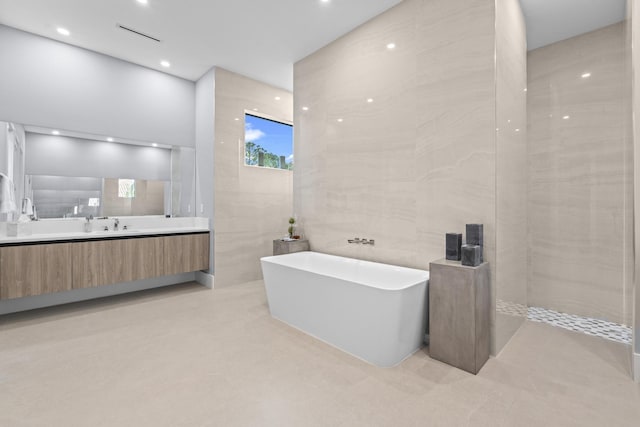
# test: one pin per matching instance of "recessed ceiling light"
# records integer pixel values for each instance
(340, 120)
(325, 1)
(305, 108)
(525, 89)
(110, 139)
(55, 132)
(566, 117)
(370, 100)
(277, 98)
(63, 31)
(255, 109)
(154, 144)
(517, 130)
(236, 119)
(391, 46)
(586, 75)
(165, 64)
(143, 1)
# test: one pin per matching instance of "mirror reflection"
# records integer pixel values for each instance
(49, 173)
(73, 197)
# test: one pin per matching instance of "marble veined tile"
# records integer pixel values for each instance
(417, 161)
(511, 167)
(252, 205)
(579, 176)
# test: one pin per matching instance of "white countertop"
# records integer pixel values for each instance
(47, 231)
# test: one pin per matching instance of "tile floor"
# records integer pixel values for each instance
(188, 356)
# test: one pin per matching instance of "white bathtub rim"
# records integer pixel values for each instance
(425, 280)
(420, 347)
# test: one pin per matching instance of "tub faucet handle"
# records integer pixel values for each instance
(356, 240)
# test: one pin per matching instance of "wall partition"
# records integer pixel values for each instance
(580, 176)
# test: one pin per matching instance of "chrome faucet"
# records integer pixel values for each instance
(116, 223)
(359, 241)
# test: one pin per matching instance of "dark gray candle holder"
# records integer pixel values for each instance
(454, 246)
(475, 234)
(471, 255)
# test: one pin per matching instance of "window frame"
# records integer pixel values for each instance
(271, 119)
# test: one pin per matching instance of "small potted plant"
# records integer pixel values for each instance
(292, 227)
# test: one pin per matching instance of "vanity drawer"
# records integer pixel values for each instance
(186, 253)
(106, 262)
(34, 270)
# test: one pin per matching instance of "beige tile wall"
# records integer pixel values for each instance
(511, 166)
(417, 162)
(635, 18)
(252, 205)
(580, 210)
(149, 199)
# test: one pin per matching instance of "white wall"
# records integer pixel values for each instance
(68, 156)
(204, 121)
(49, 83)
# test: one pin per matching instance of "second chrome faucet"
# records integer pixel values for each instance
(359, 241)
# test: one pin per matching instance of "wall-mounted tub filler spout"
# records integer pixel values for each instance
(359, 241)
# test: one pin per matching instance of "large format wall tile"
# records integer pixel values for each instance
(420, 160)
(580, 176)
(511, 166)
(252, 205)
(635, 134)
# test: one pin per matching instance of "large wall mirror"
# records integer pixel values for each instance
(66, 174)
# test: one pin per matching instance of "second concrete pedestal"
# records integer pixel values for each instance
(281, 247)
(459, 307)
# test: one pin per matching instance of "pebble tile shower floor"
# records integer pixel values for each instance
(585, 325)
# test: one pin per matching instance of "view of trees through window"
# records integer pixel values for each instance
(267, 143)
(127, 188)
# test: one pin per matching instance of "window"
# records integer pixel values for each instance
(94, 201)
(127, 188)
(267, 143)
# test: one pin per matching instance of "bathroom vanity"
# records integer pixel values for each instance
(46, 263)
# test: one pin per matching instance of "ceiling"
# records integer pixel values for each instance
(549, 21)
(257, 38)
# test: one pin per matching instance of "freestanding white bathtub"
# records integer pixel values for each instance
(376, 312)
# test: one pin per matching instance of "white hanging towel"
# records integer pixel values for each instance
(7, 195)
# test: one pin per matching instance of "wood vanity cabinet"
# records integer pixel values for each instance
(105, 262)
(186, 253)
(34, 270)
